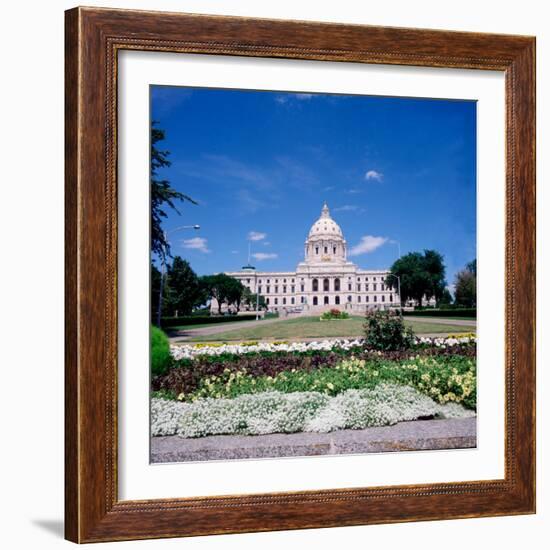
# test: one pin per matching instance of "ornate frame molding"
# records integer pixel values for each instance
(93, 39)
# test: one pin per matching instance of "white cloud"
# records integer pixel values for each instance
(256, 236)
(234, 252)
(260, 256)
(303, 97)
(374, 175)
(196, 243)
(367, 244)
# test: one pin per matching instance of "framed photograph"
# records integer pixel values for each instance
(300, 275)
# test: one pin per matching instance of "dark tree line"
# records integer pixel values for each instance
(422, 274)
(184, 291)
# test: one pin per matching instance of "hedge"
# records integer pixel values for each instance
(168, 322)
(462, 312)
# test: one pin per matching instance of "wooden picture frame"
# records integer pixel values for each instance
(93, 511)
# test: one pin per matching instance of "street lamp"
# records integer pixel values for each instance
(163, 263)
(398, 286)
(249, 267)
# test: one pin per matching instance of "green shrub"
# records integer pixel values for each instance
(160, 352)
(169, 322)
(385, 330)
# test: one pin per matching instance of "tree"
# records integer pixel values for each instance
(235, 292)
(222, 288)
(250, 299)
(155, 290)
(446, 298)
(183, 283)
(420, 274)
(162, 194)
(465, 286)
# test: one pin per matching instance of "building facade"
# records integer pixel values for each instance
(326, 279)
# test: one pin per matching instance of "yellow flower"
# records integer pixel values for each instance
(330, 386)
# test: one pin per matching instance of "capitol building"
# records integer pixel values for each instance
(325, 279)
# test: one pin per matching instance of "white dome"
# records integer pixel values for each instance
(325, 226)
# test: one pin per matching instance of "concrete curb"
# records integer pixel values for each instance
(455, 433)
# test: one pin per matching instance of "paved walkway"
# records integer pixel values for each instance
(453, 433)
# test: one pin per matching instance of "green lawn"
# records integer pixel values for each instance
(312, 327)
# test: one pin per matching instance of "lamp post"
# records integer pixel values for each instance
(249, 267)
(398, 286)
(163, 264)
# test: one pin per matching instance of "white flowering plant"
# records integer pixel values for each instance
(190, 351)
(277, 412)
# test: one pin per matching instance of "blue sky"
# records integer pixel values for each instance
(260, 164)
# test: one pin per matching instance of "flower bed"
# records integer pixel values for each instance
(444, 378)
(334, 315)
(276, 412)
(190, 351)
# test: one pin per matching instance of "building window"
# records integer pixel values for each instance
(326, 300)
(337, 285)
(260, 281)
(302, 288)
(374, 286)
(391, 297)
(276, 290)
(383, 298)
(349, 298)
(267, 290)
(276, 301)
(276, 280)
(284, 290)
(326, 285)
(292, 281)
(293, 289)
(303, 300)
(248, 281)
(315, 301)
(367, 299)
(334, 250)
(267, 301)
(366, 287)
(358, 288)
(337, 300)
(284, 301)
(268, 281)
(349, 286)
(375, 299)
(359, 299)
(326, 249)
(292, 301)
(315, 285)
(259, 290)
(316, 250)
(284, 280)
